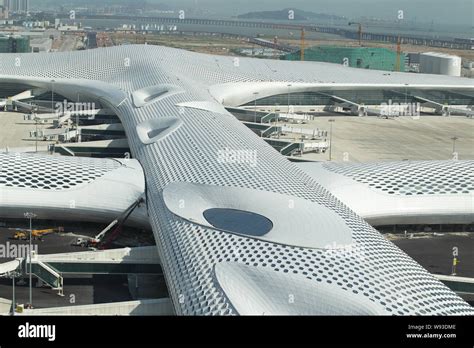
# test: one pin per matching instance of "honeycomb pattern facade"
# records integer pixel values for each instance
(411, 178)
(51, 173)
(372, 266)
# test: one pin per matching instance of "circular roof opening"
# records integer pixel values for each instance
(238, 221)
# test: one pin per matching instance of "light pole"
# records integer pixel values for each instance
(30, 216)
(289, 89)
(255, 114)
(36, 134)
(35, 117)
(277, 120)
(406, 98)
(13, 297)
(454, 144)
(331, 121)
(52, 97)
(77, 119)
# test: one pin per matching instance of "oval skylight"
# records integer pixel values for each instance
(258, 214)
(238, 221)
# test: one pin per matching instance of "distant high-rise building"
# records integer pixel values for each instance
(24, 5)
(3, 12)
(18, 6)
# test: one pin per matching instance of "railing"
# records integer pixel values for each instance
(269, 118)
(47, 274)
(64, 150)
(270, 131)
(457, 284)
(286, 148)
(291, 149)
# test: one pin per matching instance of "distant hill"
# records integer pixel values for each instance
(300, 15)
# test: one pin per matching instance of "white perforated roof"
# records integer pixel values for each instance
(370, 266)
(411, 178)
(54, 173)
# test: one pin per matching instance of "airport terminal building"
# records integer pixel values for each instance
(240, 229)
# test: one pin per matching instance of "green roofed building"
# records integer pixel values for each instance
(357, 57)
(14, 44)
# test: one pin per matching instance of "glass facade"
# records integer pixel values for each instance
(369, 97)
(238, 221)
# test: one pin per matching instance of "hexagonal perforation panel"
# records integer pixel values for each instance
(54, 173)
(411, 178)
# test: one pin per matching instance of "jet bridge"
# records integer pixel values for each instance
(445, 109)
(17, 99)
(439, 108)
(353, 108)
(51, 268)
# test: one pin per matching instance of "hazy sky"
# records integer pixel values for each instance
(455, 12)
(441, 11)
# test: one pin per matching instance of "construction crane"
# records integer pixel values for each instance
(99, 241)
(302, 44)
(399, 54)
(359, 31)
(36, 234)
